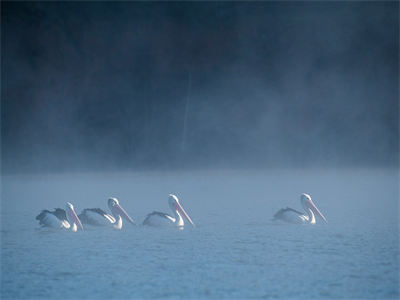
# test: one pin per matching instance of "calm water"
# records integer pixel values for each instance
(235, 251)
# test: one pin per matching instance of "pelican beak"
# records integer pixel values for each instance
(316, 211)
(74, 218)
(118, 210)
(183, 212)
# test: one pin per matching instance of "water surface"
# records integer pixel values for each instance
(235, 251)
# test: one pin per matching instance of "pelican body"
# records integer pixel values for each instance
(291, 215)
(60, 218)
(98, 217)
(160, 219)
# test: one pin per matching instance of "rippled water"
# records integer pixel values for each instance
(235, 251)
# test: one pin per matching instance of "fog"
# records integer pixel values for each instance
(357, 198)
(133, 86)
(235, 107)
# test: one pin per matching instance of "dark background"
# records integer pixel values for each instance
(168, 85)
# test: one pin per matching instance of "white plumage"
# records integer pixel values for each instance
(291, 215)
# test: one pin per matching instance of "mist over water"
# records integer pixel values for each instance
(194, 85)
(235, 107)
(235, 251)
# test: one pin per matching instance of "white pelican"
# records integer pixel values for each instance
(291, 215)
(98, 217)
(60, 218)
(160, 219)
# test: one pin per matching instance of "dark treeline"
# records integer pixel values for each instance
(100, 85)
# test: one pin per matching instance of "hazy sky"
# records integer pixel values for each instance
(101, 85)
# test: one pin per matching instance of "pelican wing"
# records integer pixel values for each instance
(157, 215)
(41, 217)
(96, 216)
(282, 211)
(50, 219)
(60, 214)
(290, 215)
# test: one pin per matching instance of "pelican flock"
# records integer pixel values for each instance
(68, 219)
(291, 215)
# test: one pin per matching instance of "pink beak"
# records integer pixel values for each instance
(118, 210)
(74, 218)
(183, 212)
(317, 212)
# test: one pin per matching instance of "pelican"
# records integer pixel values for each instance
(60, 218)
(291, 215)
(160, 219)
(98, 217)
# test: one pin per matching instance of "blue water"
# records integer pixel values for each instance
(235, 251)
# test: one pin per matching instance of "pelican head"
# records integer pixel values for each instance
(308, 204)
(174, 204)
(72, 217)
(117, 210)
(112, 202)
